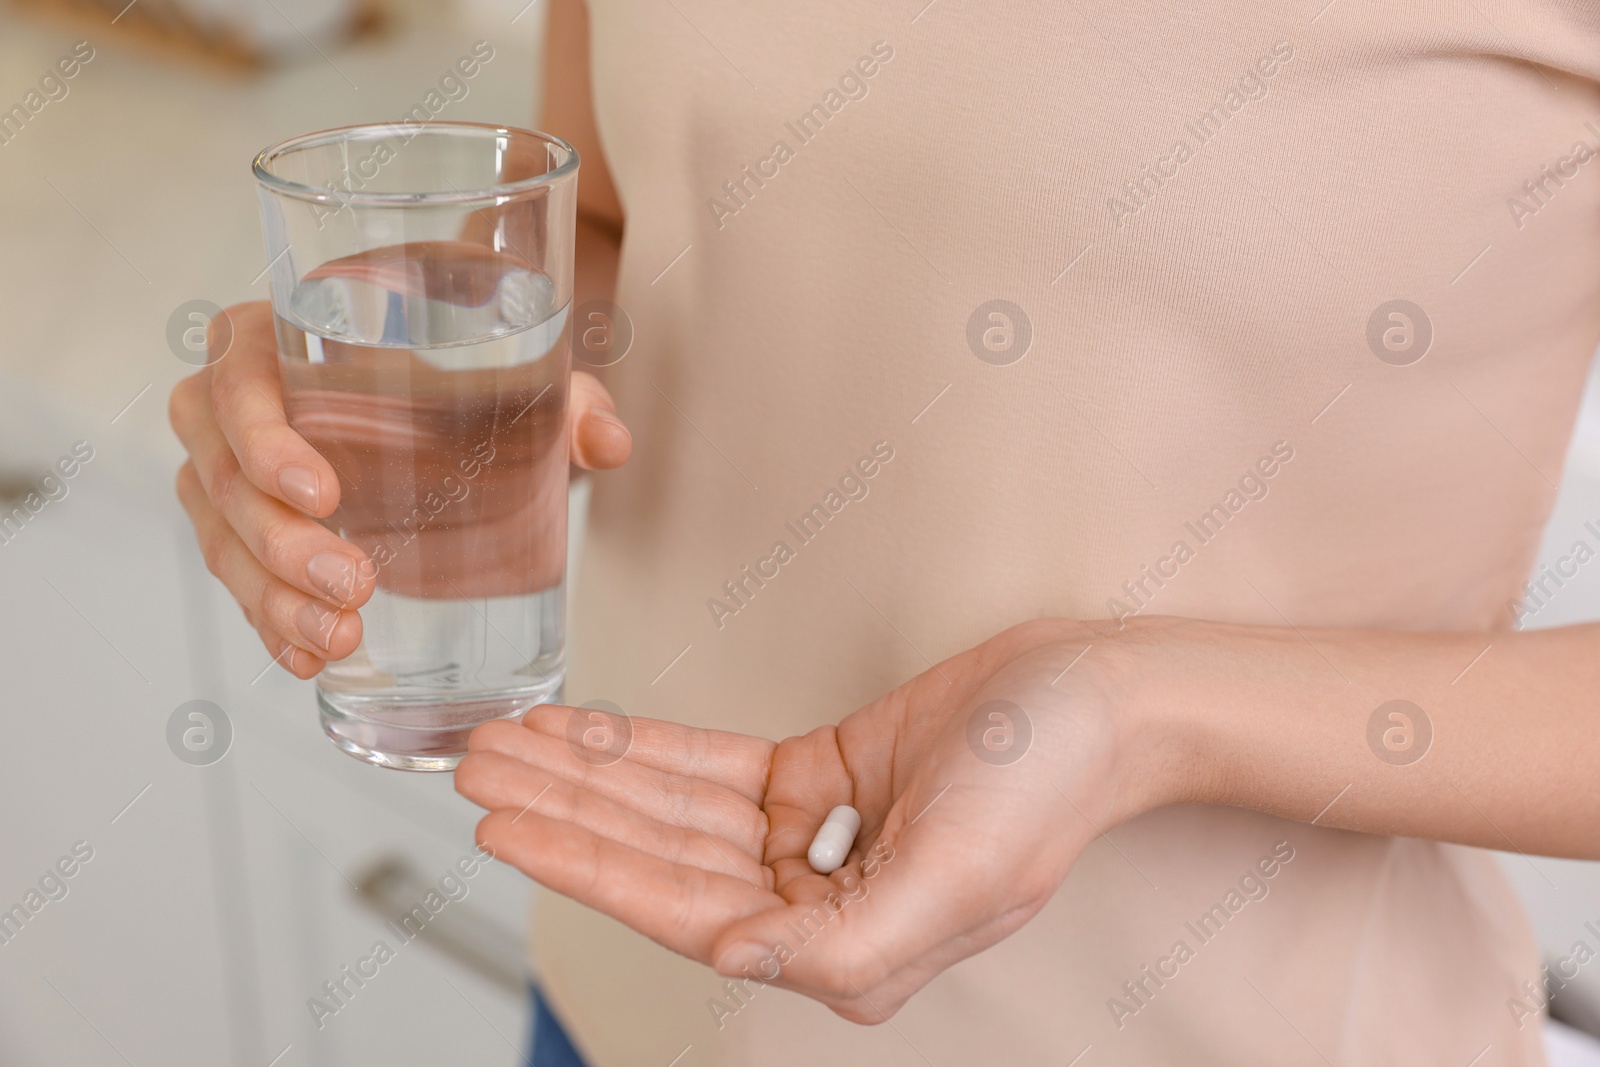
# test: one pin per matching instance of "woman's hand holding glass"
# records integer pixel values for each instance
(254, 489)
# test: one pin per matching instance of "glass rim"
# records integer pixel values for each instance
(325, 194)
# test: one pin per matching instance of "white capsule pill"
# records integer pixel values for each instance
(834, 838)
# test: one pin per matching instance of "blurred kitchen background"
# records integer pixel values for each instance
(220, 898)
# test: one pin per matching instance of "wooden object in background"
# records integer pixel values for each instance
(166, 30)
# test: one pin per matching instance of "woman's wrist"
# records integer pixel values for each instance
(1215, 713)
(1228, 714)
(1167, 751)
(1124, 695)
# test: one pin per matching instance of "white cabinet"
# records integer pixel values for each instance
(218, 898)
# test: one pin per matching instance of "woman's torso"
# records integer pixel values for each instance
(1198, 316)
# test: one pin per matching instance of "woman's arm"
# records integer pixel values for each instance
(981, 780)
(300, 586)
(1497, 745)
(567, 110)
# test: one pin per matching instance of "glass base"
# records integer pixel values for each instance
(419, 733)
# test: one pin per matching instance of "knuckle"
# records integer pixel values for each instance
(679, 795)
(246, 581)
(756, 827)
(275, 539)
(255, 440)
(225, 390)
(224, 482)
(685, 913)
(214, 549)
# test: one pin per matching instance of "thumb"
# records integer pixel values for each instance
(600, 441)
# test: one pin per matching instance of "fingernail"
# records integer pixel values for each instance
(299, 485)
(334, 573)
(317, 623)
(741, 958)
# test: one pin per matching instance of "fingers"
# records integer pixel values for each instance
(297, 549)
(669, 798)
(296, 661)
(939, 885)
(247, 398)
(495, 781)
(599, 439)
(814, 782)
(679, 906)
(735, 761)
(269, 555)
(307, 623)
(841, 942)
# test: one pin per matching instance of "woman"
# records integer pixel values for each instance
(1034, 339)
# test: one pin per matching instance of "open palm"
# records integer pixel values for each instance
(979, 782)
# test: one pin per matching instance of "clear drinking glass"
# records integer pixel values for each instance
(421, 278)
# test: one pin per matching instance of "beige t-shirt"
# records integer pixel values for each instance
(1202, 219)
